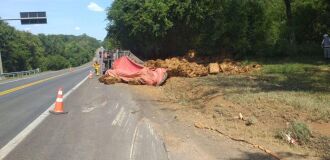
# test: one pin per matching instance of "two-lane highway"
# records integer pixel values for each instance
(22, 101)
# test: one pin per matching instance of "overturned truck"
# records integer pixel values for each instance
(126, 70)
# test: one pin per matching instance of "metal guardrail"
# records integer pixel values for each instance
(131, 55)
(19, 74)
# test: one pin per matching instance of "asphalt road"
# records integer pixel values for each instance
(20, 107)
(103, 122)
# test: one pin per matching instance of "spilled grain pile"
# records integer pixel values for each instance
(181, 67)
(232, 67)
(178, 67)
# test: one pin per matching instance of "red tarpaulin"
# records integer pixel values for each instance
(127, 70)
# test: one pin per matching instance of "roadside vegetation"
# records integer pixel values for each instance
(24, 51)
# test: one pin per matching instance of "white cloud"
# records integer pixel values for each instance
(27, 29)
(77, 28)
(95, 7)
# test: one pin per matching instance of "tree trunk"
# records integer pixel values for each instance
(289, 20)
(288, 12)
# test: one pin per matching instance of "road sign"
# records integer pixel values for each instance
(33, 18)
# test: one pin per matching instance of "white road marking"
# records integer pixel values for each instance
(152, 132)
(12, 144)
(119, 118)
(112, 108)
(127, 119)
(88, 109)
(104, 103)
(131, 154)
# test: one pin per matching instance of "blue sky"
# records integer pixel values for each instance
(73, 17)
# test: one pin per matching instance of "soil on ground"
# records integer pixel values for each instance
(197, 100)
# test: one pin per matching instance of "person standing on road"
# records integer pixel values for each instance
(326, 46)
(96, 66)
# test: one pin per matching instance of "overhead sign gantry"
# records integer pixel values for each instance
(26, 18)
(33, 18)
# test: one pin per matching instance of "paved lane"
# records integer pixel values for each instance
(19, 108)
(12, 83)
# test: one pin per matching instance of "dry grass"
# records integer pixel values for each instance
(279, 93)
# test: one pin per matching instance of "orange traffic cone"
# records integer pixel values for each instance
(59, 103)
(90, 76)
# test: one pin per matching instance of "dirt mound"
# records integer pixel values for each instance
(112, 80)
(179, 67)
(232, 67)
(185, 67)
(109, 80)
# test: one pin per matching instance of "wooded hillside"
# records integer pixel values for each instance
(161, 28)
(24, 51)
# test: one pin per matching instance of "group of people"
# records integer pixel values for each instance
(111, 56)
(326, 46)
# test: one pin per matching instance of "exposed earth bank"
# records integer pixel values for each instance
(215, 102)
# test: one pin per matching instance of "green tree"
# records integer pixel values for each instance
(240, 27)
(25, 51)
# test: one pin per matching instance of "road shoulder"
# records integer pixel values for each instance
(182, 139)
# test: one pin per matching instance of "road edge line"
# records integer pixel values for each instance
(11, 145)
